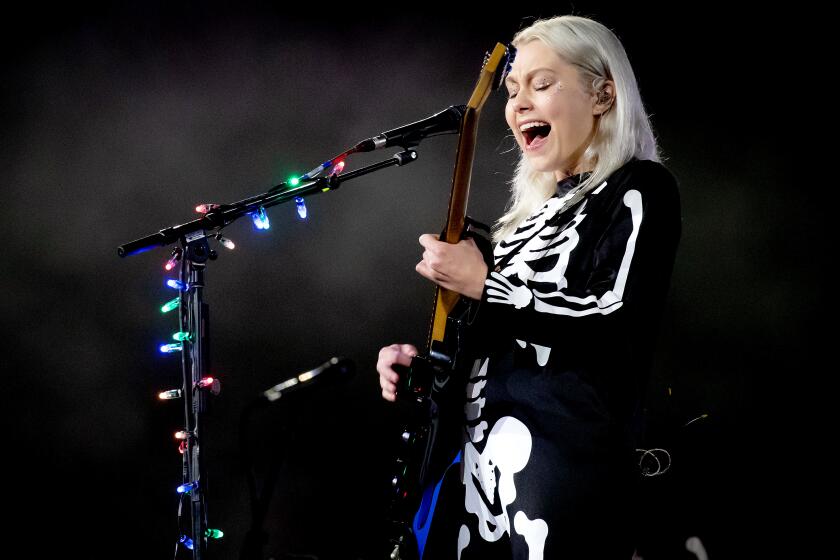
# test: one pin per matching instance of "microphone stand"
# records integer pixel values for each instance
(193, 320)
(256, 537)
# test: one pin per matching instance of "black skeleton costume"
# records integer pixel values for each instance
(567, 323)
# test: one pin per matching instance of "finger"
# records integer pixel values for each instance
(408, 349)
(389, 354)
(385, 370)
(423, 269)
(386, 351)
(436, 276)
(394, 355)
(388, 395)
(387, 385)
(428, 240)
(401, 359)
(388, 375)
(431, 260)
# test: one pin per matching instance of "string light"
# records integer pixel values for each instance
(177, 284)
(225, 241)
(173, 260)
(206, 382)
(170, 305)
(206, 208)
(214, 533)
(260, 219)
(301, 207)
(187, 487)
(317, 171)
(182, 434)
(210, 383)
(294, 181)
(170, 348)
(186, 541)
(170, 394)
(182, 336)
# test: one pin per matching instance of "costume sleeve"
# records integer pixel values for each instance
(592, 275)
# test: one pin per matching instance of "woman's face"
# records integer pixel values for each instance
(544, 88)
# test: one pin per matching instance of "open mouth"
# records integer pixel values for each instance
(536, 133)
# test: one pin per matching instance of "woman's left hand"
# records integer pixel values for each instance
(459, 267)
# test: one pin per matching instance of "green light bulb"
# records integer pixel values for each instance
(181, 336)
(214, 533)
(294, 181)
(170, 305)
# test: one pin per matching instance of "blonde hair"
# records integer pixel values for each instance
(623, 130)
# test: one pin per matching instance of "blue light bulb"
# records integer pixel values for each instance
(170, 348)
(260, 219)
(301, 207)
(187, 487)
(186, 541)
(176, 284)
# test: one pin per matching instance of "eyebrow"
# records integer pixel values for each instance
(509, 79)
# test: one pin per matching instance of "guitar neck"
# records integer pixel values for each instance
(489, 79)
(445, 300)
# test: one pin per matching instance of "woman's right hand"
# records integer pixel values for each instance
(388, 378)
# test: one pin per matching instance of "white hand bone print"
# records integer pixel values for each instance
(499, 289)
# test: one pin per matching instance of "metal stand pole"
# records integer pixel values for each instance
(193, 321)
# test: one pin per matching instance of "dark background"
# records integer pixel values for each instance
(117, 121)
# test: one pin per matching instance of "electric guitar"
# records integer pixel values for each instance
(432, 385)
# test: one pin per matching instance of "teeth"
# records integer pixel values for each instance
(529, 125)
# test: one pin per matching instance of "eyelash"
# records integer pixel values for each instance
(542, 87)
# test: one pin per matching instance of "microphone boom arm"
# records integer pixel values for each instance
(278, 194)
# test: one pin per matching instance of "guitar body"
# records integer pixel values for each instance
(433, 385)
(431, 389)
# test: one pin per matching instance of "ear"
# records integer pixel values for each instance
(604, 98)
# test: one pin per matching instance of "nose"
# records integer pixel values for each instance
(520, 102)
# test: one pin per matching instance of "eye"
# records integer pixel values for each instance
(538, 88)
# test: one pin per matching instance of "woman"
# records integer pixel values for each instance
(567, 316)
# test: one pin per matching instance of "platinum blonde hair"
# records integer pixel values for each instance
(623, 130)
